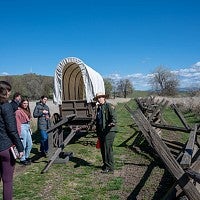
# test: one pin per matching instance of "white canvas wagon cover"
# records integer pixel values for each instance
(74, 80)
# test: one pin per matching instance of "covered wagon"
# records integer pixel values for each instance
(75, 86)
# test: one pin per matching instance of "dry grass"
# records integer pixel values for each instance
(185, 104)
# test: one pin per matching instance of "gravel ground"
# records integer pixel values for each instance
(54, 108)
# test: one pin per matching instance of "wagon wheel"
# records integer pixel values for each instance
(56, 118)
(55, 139)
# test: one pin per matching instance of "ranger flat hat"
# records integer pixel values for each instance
(99, 94)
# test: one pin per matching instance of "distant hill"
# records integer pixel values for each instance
(30, 85)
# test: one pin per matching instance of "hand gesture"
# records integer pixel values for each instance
(21, 154)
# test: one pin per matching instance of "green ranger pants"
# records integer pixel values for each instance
(106, 142)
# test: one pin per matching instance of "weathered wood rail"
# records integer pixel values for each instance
(57, 142)
(185, 168)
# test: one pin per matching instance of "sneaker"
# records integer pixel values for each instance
(24, 162)
(28, 160)
(103, 167)
(44, 154)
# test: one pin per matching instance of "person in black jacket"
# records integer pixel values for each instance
(8, 137)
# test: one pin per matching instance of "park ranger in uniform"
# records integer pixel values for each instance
(106, 130)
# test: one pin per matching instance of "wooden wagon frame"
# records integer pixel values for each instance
(75, 86)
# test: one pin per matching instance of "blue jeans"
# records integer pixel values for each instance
(44, 141)
(26, 141)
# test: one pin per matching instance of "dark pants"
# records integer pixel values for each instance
(7, 165)
(107, 149)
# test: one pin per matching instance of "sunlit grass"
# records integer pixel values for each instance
(80, 178)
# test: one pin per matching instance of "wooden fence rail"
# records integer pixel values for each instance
(186, 172)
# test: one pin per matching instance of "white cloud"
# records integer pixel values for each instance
(4, 74)
(197, 64)
(137, 75)
(188, 77)
(139, 81)
(115, 76)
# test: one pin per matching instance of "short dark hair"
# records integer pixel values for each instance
(43, 96)
(16, 94)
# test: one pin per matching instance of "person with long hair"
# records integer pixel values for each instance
(8, 137)
(23, 118)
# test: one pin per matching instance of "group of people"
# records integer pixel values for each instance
(15, 118)
(15, 130)
(23, 117)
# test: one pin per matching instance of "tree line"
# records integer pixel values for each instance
(163, 82)
(34, 86)
(31, 85)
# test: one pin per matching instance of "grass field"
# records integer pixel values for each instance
(139, 173)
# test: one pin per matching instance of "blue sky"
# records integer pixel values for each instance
(121, 39)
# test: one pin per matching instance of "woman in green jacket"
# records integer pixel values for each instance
(106, 130)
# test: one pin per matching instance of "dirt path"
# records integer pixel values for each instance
(54, 108)
(118, 100)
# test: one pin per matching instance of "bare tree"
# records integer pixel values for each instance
(164, 82)
(124, 87)
(108, 86)
(114, 87)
